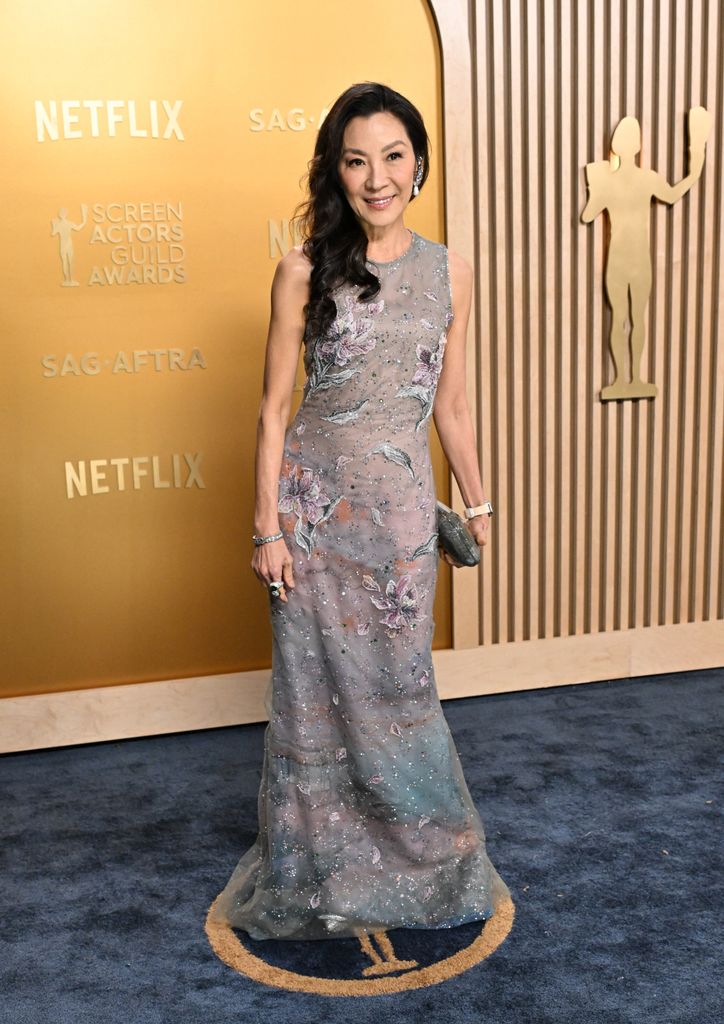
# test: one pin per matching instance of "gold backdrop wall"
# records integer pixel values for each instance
(136, 330)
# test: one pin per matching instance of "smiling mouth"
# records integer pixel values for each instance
(380, 203)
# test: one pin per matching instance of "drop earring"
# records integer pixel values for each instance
(418, 178)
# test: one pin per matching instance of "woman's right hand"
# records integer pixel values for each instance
(273, 561)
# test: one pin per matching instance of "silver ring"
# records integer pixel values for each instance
(275, 587)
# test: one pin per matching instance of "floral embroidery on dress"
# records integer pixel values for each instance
(300, 492)
(346, 415)
(429, 363)
(425, 379)
(428, 548)
(394, 454)
(402, 602)
(352, 331)
(350, 334)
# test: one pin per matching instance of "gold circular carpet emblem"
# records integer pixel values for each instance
(374, 967)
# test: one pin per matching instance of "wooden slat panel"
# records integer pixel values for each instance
(534, 150)
(568, 214)
(516, 210)
(668, 611)
(643, 439)
(582, 340)
(716, 450)
(498, 384)
(628, 413)
(609, 513)
(691, 334)
(702, 300)
(609, 412)
(659, 326)
(599, 139)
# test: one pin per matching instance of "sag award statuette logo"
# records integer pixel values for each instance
(625, 190)
(63, 227)
(374, 963)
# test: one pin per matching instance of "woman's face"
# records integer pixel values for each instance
(377, 163)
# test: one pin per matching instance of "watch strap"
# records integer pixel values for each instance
(478, 510)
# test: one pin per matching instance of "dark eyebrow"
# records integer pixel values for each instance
(397, 142)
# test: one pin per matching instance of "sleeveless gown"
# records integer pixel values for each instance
(365, 820)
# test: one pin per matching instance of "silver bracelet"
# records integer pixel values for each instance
(266, 540)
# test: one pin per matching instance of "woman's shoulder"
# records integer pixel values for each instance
(295, 262)
(459, 267)
(294, 270)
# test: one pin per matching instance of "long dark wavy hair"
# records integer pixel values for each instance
(333, 239)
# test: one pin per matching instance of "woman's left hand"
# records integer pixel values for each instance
(478, 527)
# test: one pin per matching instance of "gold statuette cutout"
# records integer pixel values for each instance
(625, 190)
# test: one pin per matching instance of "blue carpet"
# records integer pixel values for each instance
(603, 810)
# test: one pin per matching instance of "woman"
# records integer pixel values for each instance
(365, 820)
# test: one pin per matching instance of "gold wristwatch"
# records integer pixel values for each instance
(478, 510)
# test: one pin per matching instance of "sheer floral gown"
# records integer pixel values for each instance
(365, 819)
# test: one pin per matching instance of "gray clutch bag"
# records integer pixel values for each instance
(454, 537)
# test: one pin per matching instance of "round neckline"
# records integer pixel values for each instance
(408, 250)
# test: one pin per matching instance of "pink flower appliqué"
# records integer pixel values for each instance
(351, 333)
(301, 492)
(429, 363)
(401, 602)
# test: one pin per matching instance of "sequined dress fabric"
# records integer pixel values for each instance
(365, 821)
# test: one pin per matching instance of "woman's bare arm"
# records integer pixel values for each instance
(451, 412)
(289, 294)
